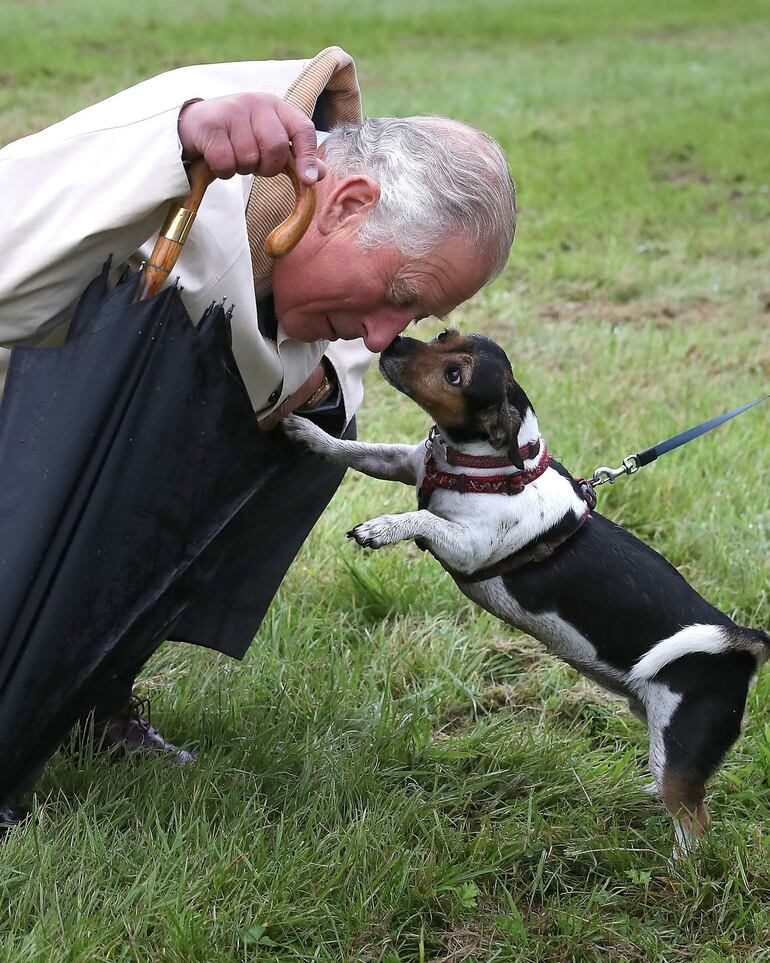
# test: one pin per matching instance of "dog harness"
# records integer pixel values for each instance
(512, 483)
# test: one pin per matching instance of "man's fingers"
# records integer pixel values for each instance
(219, 154)
(246, 149)
(303, 141)
(273, 140)
(249, 133)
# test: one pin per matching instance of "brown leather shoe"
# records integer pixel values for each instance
(128, 733)
(11, 816)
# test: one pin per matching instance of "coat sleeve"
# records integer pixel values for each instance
(74, 194)
(98, 183)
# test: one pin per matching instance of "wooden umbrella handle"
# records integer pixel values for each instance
(182, 213)
(174, 232)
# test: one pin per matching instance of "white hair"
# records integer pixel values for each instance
(437, 177)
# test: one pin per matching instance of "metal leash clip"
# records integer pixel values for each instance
(602, 475)
(633, 463)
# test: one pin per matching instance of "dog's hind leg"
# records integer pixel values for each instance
(688, 747)
(681, 790)
(683, 795)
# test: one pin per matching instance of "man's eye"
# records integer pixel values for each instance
(453, 375)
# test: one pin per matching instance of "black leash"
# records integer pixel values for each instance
(632, 463)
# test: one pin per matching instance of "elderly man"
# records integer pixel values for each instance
(413, 217)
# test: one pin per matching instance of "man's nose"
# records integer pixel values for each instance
(381, 328)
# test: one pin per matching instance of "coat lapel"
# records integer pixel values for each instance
(271, 200)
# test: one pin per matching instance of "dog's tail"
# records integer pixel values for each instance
(761, 639)
(713, 639)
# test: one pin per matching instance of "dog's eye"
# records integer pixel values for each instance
(453, 375)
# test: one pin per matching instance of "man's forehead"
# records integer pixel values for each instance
(442, 279)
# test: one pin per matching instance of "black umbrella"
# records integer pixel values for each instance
(123, 454)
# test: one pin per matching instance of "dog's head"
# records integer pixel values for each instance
(464, 382)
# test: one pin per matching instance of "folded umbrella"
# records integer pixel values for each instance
(123, 454)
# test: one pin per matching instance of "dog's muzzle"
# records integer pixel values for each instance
(392, 362)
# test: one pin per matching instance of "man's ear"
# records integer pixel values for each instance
(349, 201)
(502, 424)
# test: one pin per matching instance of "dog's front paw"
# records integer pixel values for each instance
(303, 432)
(383, 530)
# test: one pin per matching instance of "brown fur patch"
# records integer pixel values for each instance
(423, 372)
(684, 800)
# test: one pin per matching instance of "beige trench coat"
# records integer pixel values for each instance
(99, 183)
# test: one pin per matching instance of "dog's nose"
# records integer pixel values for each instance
(397, 346)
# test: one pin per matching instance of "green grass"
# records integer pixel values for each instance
(392, 775)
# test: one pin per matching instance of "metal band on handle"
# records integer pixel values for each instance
(177, 225)
(174, 232)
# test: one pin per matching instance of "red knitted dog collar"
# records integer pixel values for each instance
(510, 484)
(460, 460)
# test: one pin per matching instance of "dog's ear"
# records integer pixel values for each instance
(502, 424)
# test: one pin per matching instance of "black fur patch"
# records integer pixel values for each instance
(619, 593)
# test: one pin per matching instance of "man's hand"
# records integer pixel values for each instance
(249, 133)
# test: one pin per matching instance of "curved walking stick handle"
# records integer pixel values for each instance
(287, 235)
(182, 213)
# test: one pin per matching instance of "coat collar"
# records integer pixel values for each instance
(333, 73)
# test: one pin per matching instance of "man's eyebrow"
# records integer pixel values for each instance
(402, 291)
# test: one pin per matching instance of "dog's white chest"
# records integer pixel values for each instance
(501, 525)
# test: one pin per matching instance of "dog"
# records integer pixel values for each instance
(520, 537)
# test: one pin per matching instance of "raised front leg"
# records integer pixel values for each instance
(450, 541)
(389, 462)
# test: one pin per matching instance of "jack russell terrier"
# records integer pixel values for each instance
(520, 538)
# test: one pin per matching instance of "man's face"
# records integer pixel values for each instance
(327, 288)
